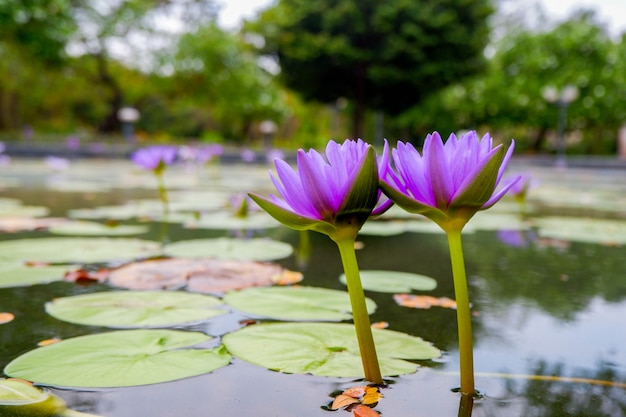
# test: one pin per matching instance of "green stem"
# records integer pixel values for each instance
(463, 314)
(162, 191)
(359, 312)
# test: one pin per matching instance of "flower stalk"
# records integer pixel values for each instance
(360, 315)
(463, 313)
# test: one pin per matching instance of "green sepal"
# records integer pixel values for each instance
(363, 195)
(290, 219)
(413, 206)
(483, 186)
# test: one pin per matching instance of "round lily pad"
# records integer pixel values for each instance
(23, 211)
(294, 303)
(228, 221)
(77, 250)
(325, 349)
(120, 358)
(135, 308)
(86, 228)
(582, 229)
(394, 281)
(258, 249)
(19, 398)
(18, 274)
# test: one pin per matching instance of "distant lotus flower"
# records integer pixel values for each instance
(449, 183)
(56, 163)
(156, 158)
(72, 143)
(248, 155)
(519, 191)
(274, 154)
(334, 196)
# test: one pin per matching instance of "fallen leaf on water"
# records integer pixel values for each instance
(423, 301)
(47, 342)
(380, 325)
(355, 392)
(343, 400)
(6, 317)
(80, 276)
(364, 411)
(288, 277)
(372, 396)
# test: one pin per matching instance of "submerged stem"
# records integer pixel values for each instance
(359, 311)
(162, 191)
(463, 314)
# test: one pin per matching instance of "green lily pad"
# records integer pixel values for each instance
(393, 281)
(120, 358)
(258, 249)
(19, 399)
(85, 228)
(18, 274)
(23, 211)
(385, 228)
(77, 250)
(228, 221)
(582, 229)
(325, 349)
(294, 303)
(135, 308)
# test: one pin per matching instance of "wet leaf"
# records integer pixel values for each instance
(119, 359)
(393, 281)
(364, 411)
(423, 301)
(356, 392)
(199, 275)
(372, 396)
(122, 309)
(324, 349)
(294, 303)
(6, 317)
(342, 401)
(77, 250)
(18, 398)
(258, 249)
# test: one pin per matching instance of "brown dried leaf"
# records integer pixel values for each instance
(372, 396)
(356, 392)
(364, 411)
(200, 275)
(423, 301)
(342, 401)
(84, 276)
(6, 317)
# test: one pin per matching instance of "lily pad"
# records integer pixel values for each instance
(123, 309)
(23, 211)
(199, 275)
(582, 229)
(258, 249)
(18, 398)
(18, 274)
(325, 349)
(85, 228)
(77, 250)
(294, 303)
(21, 224)
(120, 358)
(394, 281)
(228, 221)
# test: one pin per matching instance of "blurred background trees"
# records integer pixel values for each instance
(318, 70)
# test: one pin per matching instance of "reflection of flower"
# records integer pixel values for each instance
(449, 183)
(334, 196)
(155, 158)
(516, 238)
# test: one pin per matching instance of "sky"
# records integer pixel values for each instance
(613, 12)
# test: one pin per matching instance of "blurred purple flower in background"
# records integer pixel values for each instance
(156, 157)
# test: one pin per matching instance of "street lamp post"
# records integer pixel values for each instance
(562, 99)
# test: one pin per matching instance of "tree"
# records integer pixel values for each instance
(385, 56)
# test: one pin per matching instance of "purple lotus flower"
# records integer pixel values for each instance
(155, 158)
(450, 182)
(328, 195)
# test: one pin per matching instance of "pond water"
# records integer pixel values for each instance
(549, 333)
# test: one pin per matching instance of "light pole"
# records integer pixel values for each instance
(562, 100)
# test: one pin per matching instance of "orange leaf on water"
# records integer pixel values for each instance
(48, 341)
(355, 392)
(423, 301)
(380, 325)
(288, 277)
(343, 400)
(372, 396)
(364, 411)
(6, 317)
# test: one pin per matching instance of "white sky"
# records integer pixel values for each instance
(613, 12)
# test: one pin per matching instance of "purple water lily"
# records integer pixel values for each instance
(155, 157)
(448, 182)
(328, 194)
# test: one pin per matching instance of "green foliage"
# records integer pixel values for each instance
(383, 55)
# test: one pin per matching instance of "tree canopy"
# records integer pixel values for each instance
(386, 55)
